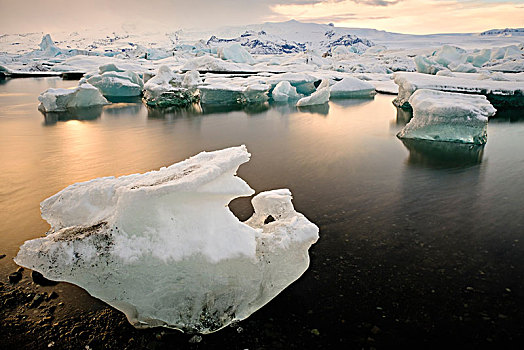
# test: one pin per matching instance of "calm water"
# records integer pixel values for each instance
(424, 241)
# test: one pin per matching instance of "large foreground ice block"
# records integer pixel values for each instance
(164, 248)
(60, 100)
(445, 116)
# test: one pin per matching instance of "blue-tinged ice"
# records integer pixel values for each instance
(450, 117)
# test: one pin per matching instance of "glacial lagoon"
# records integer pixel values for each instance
(420, 241)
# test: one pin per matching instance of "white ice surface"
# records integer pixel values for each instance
(350, 87)
(164, 248)
(410, 82)
(60, 100)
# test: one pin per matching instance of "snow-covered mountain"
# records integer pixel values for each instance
(265, 38)
(262, 42)
(504, 32)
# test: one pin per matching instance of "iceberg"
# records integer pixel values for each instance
(350, 87)
(220, 94)
(48, 47)
(445, 116)
(112, 81)
(284, 91)
(319, 97)
(164, 248)
(303, 82)
(166, 89)
(60, 100)
(256, 93)
(500, 93)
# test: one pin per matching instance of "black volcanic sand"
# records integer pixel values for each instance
(400, 289)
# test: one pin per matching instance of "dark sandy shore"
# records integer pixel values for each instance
(374, 295)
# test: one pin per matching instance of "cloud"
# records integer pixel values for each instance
(408, 16)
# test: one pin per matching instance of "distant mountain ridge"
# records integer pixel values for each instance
(262, 42)
(506, 31)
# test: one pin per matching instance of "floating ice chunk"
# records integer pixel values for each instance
(499, 92)
(426, 65)
(165, 89)
(60, 100)
(352, 87)
(256, 93)
(445, 116)
(478, 58)
(319, 97)
(235, 53)
(448, 54)
(284, 91)
(303, 82)
(164, 248)
(114, 83)
(220, 93)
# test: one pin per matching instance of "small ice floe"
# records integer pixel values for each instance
(350, 87)
(164, 248)
(60, 100)
(319, 97)
(451, 117)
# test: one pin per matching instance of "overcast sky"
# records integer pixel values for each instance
(405, 16)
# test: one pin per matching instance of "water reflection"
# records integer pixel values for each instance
(173, 113)
(434, 154)
(350, 102)
(322, 109)
(508, 115)
(403, 116)
(92, 113)
(123, 109)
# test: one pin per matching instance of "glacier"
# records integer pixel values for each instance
(445, 116)
(164, 248)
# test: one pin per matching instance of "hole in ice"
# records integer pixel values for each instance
(269, 219)
(241, 208)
